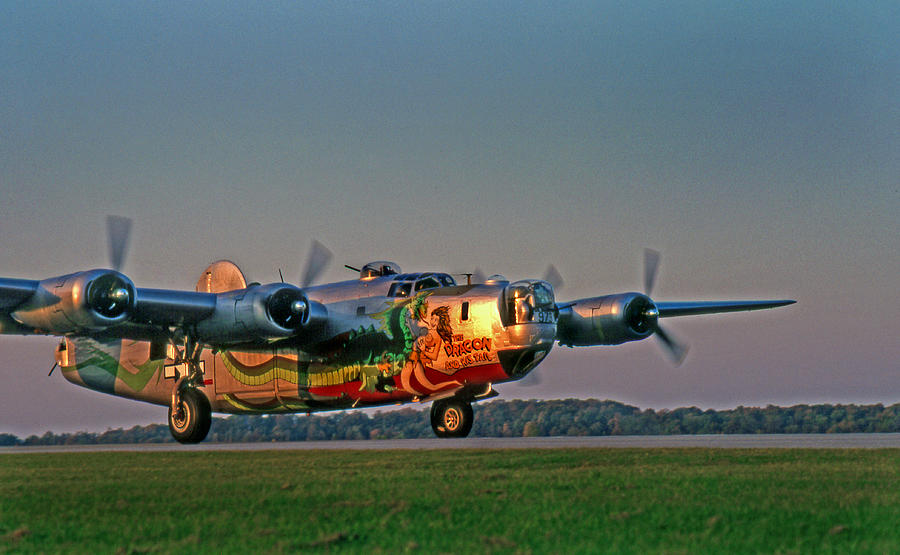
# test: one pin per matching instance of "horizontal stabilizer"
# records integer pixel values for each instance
(667, 310)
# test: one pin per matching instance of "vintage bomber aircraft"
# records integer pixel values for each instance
(385, 338)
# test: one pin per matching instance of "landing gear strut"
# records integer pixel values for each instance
(451, 418)
(189, 412)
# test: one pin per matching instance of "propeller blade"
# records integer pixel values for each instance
(676, 350)
(118, 231)
(316, 262)
(651, 266)
(554, 278)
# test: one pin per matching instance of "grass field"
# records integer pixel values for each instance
(540, 501)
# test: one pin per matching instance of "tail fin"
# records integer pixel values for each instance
(221, 276)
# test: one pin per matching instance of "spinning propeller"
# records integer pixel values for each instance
(649, 313)
(316, 262)
(554, 278)
(111, 295)
(118, 231)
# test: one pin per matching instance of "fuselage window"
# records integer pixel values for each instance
(360, 311)
(464, 313)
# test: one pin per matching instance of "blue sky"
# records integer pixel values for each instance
(756, 146)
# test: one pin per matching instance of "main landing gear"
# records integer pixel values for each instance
(189, 412)
(451, 418)
(190, 419)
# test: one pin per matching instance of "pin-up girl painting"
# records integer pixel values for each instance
(426, 348)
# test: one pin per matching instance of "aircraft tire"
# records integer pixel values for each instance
(195, 416)
(451, 418)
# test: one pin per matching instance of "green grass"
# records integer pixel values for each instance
(586, 500)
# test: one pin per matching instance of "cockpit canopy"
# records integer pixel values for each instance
(406, 284)
(379, 268)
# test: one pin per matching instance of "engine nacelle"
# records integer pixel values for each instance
(259, 312)
(607, 320)
(91, 300)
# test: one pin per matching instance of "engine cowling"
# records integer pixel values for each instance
(259, 313)
(607, 320)
(90, 300)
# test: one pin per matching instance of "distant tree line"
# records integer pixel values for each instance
(515, 418)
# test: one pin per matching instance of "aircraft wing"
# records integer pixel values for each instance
(668, 309)
(105, 303)
(615, 319)
(14, 292)
(172, 307)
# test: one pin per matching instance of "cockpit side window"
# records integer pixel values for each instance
(446, 280)
(427, 283)
(400, 289)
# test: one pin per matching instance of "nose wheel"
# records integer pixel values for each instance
(451, 418)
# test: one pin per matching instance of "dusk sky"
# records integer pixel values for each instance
(756, 145)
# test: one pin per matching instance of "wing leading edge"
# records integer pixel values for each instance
(105, 303)
(694, 308)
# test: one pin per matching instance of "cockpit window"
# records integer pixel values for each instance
(400, 289)
(446, 280)
(429, 282)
